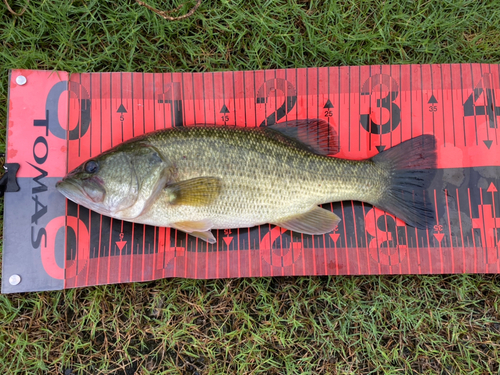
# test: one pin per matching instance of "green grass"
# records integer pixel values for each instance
(306, 325)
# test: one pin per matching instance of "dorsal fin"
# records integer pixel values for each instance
(314, 135)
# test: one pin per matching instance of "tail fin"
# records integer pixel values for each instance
(412, 165)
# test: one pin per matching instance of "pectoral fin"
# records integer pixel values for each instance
(200, 191)
(316, 221)
(200, 229)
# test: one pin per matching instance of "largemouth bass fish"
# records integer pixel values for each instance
(200, 178)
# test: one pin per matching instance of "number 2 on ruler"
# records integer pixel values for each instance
(269, 88)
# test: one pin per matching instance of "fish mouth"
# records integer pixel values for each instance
(70, 189)
(86, 193)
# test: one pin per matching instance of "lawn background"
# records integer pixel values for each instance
(295, 325)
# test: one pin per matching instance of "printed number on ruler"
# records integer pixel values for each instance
(268, 89)
(481, 102)
(51, 122)
(172, 96)
(375, 86)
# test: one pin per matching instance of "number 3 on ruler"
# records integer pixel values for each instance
(387, 102)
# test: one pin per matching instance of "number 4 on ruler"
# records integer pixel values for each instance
(488, 108)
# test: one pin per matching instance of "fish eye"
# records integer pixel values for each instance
(91, 166)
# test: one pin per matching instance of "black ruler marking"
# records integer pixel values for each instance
(90, 96)
(462, 103)
(338, 105)
(494, 101)
(391, 80)
(121, 98)
(132, 93)
(286, 93)
(143, 107)
(432, 93)
(486, 101)
(411, 102)
(473, 87)
(164, 101)
(110, 108)
(255, 99)
(204, 106)
(181, 107)
(421, 98)
(360, 126)
(349, 111)
(100, 113)
(223, 96)
(155, 101)
(441, 67)
(79, 113)
(213, 97)
(235, 107)
(452, 106)
(401, 103)
(194, 99)
(369, 107)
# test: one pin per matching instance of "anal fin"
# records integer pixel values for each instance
(205, 236)
(316, 221)
(199, 229)
(193, 226)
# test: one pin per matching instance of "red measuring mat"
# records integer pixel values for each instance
(57, 121)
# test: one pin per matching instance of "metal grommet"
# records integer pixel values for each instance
(21, 80)
(14, 279)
